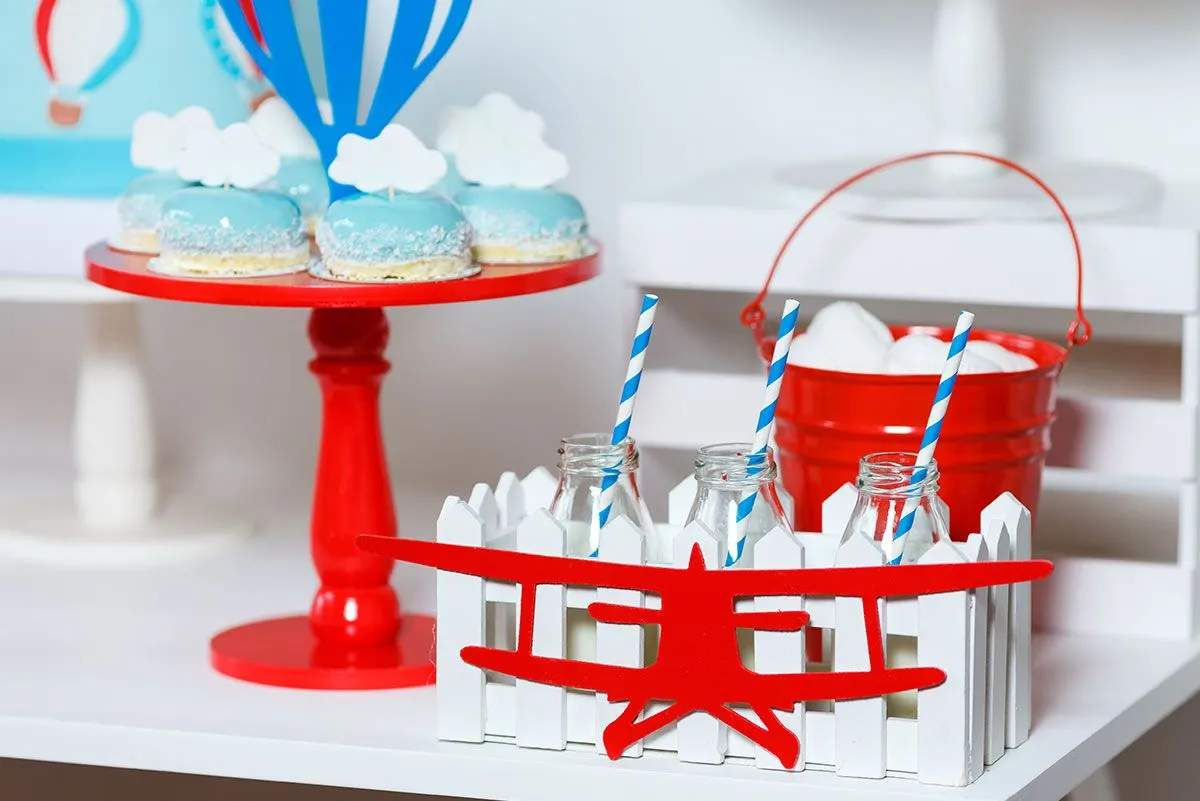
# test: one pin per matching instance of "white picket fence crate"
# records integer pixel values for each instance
(980, 639)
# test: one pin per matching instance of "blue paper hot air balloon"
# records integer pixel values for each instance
(343, 33)
(82, 44)
(229, 52)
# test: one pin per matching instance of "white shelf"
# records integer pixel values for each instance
(721, 232)
(43, 240)
(110, 668)
(45, 237)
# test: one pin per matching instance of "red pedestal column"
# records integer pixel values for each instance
(355, 606)
(354, 636)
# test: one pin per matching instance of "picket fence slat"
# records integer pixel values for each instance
(980, 638)
(780, 651)
(975, 550)
(943, 712)
(836, 511)
(541, 708)
(859, 726)
(510, 500)
(620, 542)
(996, 535)
(1020, 605)
(679, 501)
(461, 707)
(539, 487)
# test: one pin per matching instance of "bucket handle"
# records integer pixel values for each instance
(1080, 331)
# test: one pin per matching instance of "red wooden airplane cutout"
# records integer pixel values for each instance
(699, 668)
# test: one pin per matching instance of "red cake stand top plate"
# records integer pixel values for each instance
(127, 272)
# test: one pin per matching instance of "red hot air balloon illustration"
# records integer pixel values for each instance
(229, 52)
(82, 44)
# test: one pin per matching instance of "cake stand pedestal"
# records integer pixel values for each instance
(354, 636)
(114, 515)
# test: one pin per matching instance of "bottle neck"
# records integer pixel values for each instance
(594, 455)
(889, 476)
(734, 466)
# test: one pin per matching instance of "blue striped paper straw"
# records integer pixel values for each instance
(933, 428)
(633, 379)
(766, 419)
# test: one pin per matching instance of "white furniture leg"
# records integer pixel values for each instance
(968, 84)
(115, 515)
(969, 91)
(115, 486)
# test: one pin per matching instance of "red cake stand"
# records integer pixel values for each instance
(354, 637)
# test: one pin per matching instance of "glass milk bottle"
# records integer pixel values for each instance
(884, 484)
(583, 461)
(724, 477)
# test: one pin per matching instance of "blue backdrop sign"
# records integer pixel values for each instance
(77, 73)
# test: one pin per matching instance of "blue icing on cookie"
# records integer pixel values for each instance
(510, 216)
(140, 206)
(305, 182)
(208, 220)
(375, 229)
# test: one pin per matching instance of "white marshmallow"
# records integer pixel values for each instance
(807, 352)
(974, 363)
(846, 319)
(845, 337)
(916, 354)
(848, 338)
(1008, 361)
(921, 354)
(856, 355)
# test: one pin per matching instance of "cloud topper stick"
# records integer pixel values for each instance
(343, 34)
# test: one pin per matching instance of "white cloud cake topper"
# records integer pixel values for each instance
(395, 161)
(234, 156)
(499, 144)
(278, 127)
(158, 140)
(493, 111)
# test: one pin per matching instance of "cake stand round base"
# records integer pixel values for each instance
(49, 531)
(283, 652)
(921, 191)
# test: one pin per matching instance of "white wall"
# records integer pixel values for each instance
(640, 93)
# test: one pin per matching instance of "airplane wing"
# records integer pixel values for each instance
(845, 582)
(879, 582)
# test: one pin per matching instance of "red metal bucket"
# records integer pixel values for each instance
(995, 436)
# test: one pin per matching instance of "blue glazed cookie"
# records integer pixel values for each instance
(305, 182)
(405, 237)
(139, 209)
(522, 226)
(213, 232)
